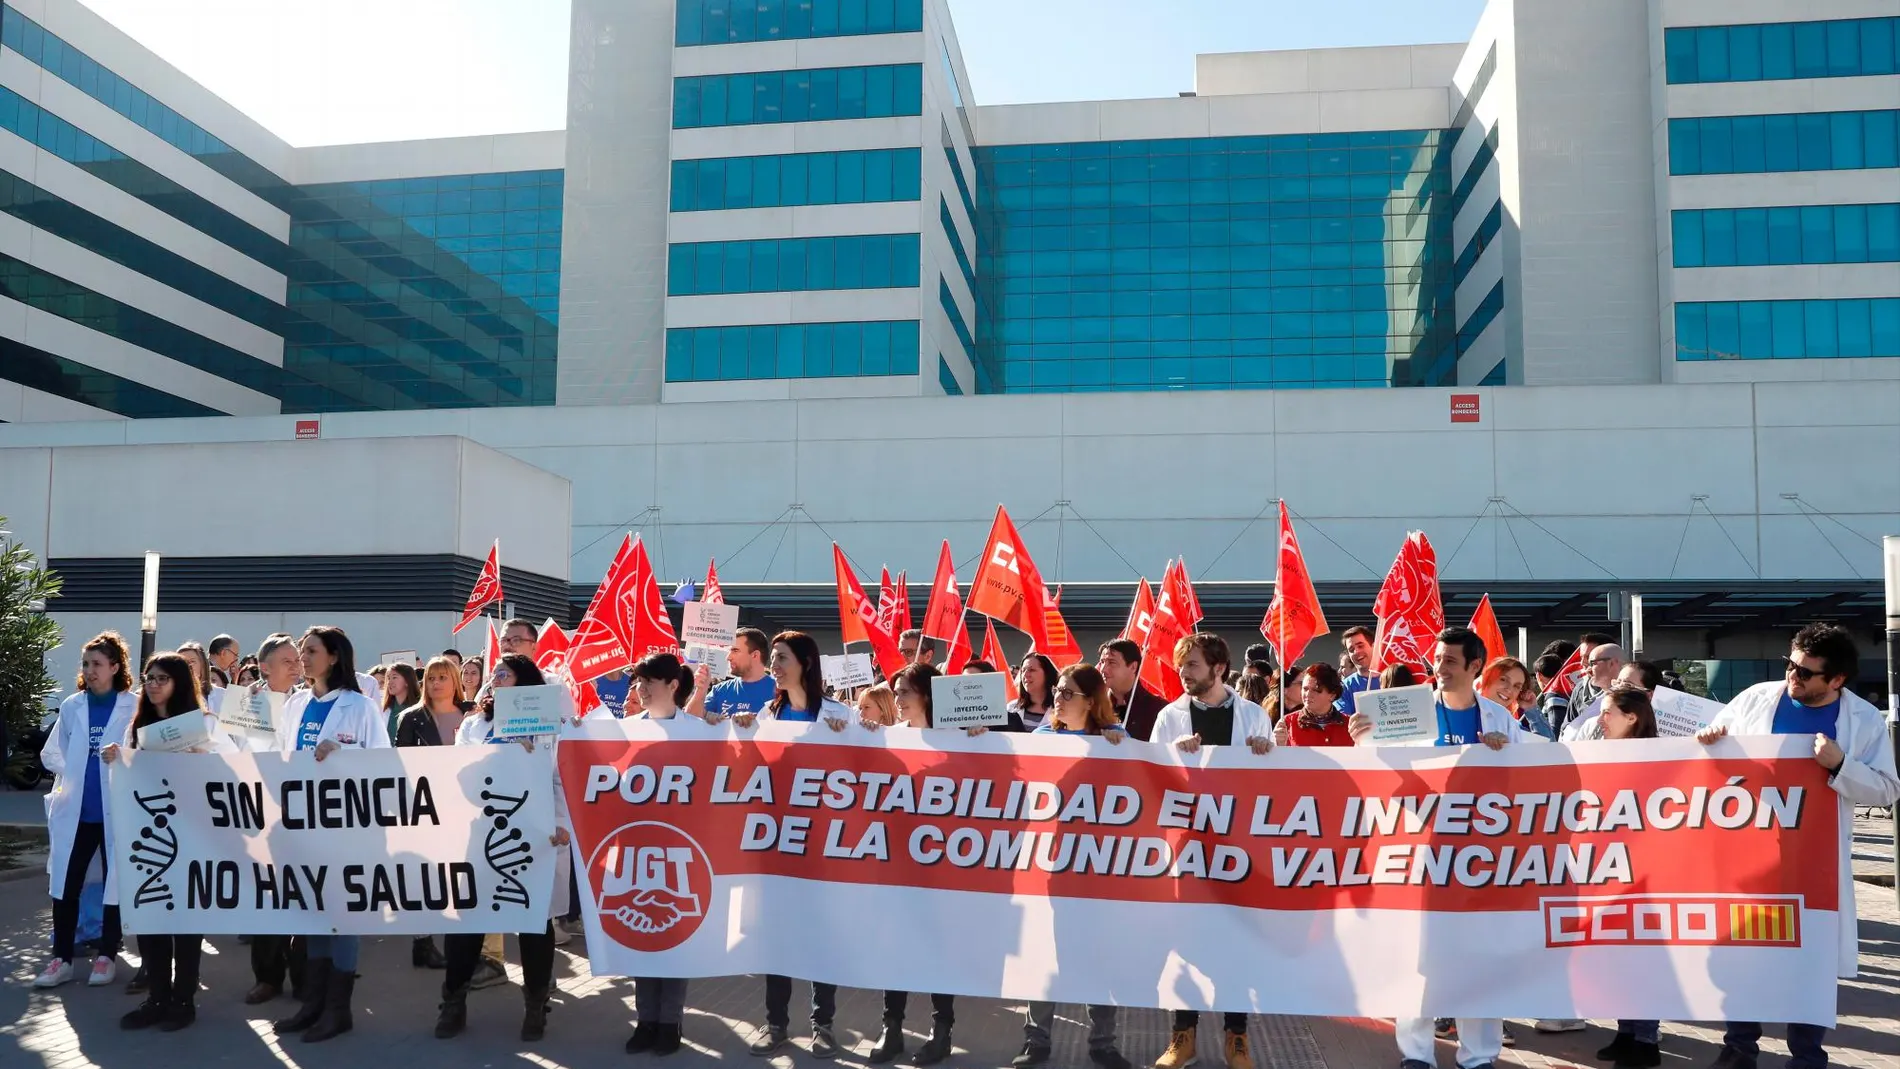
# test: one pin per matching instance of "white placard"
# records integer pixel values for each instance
(1680, 713)
(176, 734)
(969, 701)
(523, 711)
(708, 624)
(1399, 714)
(407, 657)
(717, 659)
(241, 710)
(847, 671)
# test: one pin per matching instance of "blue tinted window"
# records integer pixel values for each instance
(1481, 317)
(1840, 48)
(869, 261)
(1788, 330)
(1816, 234)
(797, 96)
(947, 379)
(1494, 377)
(74, 381)
(869, 176)
(791, 351)
(1816, 141)
(718, 22)
(1480, 241)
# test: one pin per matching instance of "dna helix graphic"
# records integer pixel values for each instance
(504, 848)
(156, 848)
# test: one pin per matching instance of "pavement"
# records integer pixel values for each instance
(76, 1026)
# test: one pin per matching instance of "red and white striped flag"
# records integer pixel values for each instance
(712, 595)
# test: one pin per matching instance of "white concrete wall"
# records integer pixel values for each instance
(537, 151)
(1334, 111)
(1325, 69)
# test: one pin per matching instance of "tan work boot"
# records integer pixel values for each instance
(1237, 1055)
(1181, 1051)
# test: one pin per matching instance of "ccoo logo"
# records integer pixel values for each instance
(654, 882)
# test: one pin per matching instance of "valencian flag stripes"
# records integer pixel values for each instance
(1294, 617)
(714, 594)
(487, 588)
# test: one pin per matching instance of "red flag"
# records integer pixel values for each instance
(887, 603)
(1569, 675)
(1408, 607)
(993, 653)
(713, 594)
(1294, 616)
(1485, 623)
(1141, 615)
(487, 588)
(550, 656)
(1062, 650)
(959, 654)
(857, 614)
(1169, 628)
(943, 614)
(491, 653)
(1189, 611)
(903, 603)
(1008, 587)
(626, 620)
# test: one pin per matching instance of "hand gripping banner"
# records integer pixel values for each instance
(1612, 879)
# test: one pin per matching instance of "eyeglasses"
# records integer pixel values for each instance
(1801, 673)
(156, 678)
(1594, 661)
(1063, 694)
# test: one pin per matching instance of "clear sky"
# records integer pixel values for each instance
(381, 70)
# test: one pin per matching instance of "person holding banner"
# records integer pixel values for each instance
(1628, 714)
(798, 697)
(331, 714)
(662, 684)
(1318, 723)
(1465, 717)
(433, 720)
(78, 809)
(1119, 661)
(1208, 714)
(749, 690)
(464, 950)
(170, 961)
(1850, 742)
(1035, 683)
(275, 957)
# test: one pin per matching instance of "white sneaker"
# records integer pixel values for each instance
(1552, 1026)
(57, 972)
(104, 971)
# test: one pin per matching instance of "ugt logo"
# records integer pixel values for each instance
(653, 880)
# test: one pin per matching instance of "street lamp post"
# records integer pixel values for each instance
(1890, 551)
(148, 610)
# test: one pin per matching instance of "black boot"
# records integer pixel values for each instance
(424, 955)
(182, 1011)
(1616, 1048)
(150, 1012)
(534, 1018)
(890, 1042)
(316, 980)
(452, 1015)
(336, 1006)
(645, 1034)
(667, 1041)
(936, 1048)
(1640, 1055)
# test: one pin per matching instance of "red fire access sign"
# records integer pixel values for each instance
(309, 428)
(1464, 408)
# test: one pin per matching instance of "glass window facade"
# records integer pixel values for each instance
(798, 96)
(1480, 163)
(949, 225)
(1487, 232)
(424, 293)
(74, 381)
(854, 177)
(1481, 317)
(867, 261)
(791, 351)
(1774, 51)
(1215, 263)
(1787, 330)
(719, 22)
(1817, 234)
(1810, 141)
(1495, 376)
(947, 378)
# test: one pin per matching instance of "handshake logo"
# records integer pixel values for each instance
(653, 880)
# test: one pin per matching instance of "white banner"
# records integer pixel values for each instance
(414, 841)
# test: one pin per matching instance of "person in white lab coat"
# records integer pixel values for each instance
(78, 808)
(332, 714)
(170, 961)
(275, 958)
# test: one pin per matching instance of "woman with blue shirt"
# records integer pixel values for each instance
(330, 714)
(170, 961)
(77, 809)
(464, 950)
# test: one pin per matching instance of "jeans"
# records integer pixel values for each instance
(943, 1009)
(88, 839)
(275, 957)
(537, 959)
(778, 1002)
(1480, 1040)
(1041, 1016)
(171, 966)
(340, 949)
(658, 1000)
(1641, 1031)
(1232, 1022)
(1804, 1043)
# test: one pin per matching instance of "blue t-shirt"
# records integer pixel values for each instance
(1458, 727)
(1793, 718)
(613, 693)
(737, 696)
(99, 709)
(796, 716)
(1354, 683)
(314, 715)
(1049, 727)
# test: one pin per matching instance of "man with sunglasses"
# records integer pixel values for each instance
(1850, 741)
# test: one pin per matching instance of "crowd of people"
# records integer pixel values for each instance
(327, 705)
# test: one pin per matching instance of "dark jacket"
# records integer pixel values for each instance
(1138, 716)
(417, 727)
